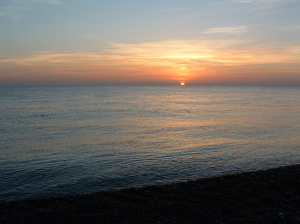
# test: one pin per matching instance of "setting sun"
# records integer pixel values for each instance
(183, 84)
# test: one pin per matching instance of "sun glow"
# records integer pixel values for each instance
(170, 62)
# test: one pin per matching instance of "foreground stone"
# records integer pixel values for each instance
(270, 196)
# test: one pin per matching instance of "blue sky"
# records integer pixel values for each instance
(61, 42)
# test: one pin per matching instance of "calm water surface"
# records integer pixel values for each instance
(70, 140)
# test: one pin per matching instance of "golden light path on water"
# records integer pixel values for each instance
(71, 140)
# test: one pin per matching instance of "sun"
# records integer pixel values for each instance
(183, 84)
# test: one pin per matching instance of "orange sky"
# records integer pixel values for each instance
(165, 62)
(65, 42)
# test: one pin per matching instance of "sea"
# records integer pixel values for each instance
(66, 140)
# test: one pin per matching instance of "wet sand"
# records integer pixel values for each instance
(270, 196)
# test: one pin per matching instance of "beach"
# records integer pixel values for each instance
(267, 196)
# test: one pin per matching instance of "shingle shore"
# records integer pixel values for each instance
(269, 196)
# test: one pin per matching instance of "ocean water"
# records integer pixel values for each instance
(74, 140)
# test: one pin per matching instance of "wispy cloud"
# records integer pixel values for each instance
(52, 2)
(265, 4)
(237, 30)
(167, 53)
(267, 1)
(291, 28)
(164, 60)
(13, 11)
(16, 9)
(170, 10)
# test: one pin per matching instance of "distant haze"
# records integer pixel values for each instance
(225, 42)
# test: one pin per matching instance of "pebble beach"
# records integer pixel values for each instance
(266, 196)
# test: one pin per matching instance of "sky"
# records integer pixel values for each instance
(211, 42)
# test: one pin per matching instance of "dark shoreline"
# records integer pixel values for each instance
(267, 196)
